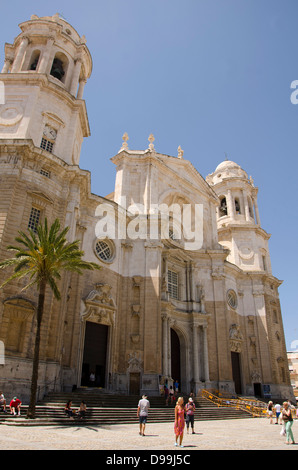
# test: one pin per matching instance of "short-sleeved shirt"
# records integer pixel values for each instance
(15, 403)
(144, 405)
(190, 408)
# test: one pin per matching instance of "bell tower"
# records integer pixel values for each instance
(44, 74)
(238, 220)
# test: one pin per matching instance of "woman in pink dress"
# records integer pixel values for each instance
(179, 421)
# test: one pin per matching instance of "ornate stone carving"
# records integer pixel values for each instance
(100, 306)
(180, 152)
(236, 338)
(10, 114)
(256, 376)
(134, 362)
(201, 297)
(135, 309)
(125, 138)
(135, 338)
(151, 140)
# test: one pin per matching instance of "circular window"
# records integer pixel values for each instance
(232, 298)
(104, 250)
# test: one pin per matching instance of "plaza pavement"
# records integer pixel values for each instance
(236, 434)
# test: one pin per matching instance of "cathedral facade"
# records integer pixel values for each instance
(185, 291)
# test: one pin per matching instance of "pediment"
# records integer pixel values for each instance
(40, 198)
(181, 169)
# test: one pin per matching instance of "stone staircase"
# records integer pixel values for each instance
(107, 409)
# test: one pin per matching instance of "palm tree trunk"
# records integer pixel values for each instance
(34, 380)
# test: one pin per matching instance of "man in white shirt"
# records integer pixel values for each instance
(142, 413)
(277, 408)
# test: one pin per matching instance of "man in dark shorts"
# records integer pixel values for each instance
(142, 413)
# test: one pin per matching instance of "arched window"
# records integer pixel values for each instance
(250, 207)
(223, 210)
(34, 60)
(237, 206)
(59, 67)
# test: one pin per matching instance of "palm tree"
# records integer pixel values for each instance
(42, 256)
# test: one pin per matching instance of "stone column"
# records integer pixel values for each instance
(7, 65)
(82, 84)
(206, 361)
(246, 207)
(44, 62)
(75, 78)
(196, 357)
(230, 205)
(257, 211)
(20, 55)
(170, 323)
(165, 364)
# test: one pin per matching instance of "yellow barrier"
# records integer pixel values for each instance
(254, 407)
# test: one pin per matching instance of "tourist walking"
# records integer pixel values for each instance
(179, 421)
(288, 421)
(277, 408)
(142, 413)
(270, 411)
(190, 414)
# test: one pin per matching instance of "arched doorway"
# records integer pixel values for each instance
(96, 337)
(95, 355)
(175, 357)
(236, 371)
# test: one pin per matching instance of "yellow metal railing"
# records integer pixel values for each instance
(254, 407)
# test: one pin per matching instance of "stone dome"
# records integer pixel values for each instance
(226, 170)
(227, 165)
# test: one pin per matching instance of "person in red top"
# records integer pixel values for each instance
(15, 406)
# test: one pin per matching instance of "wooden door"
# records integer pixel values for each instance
(134, 383)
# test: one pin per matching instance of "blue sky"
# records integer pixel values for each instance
(212, 76)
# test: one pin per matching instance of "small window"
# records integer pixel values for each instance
(34, 219)
(47, 145)
(232, 299)
(173, 284)
(104, 250)
(48, 138)
(45, 173)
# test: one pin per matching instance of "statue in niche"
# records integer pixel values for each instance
(201, 297)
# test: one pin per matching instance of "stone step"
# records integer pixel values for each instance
(107, 409)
